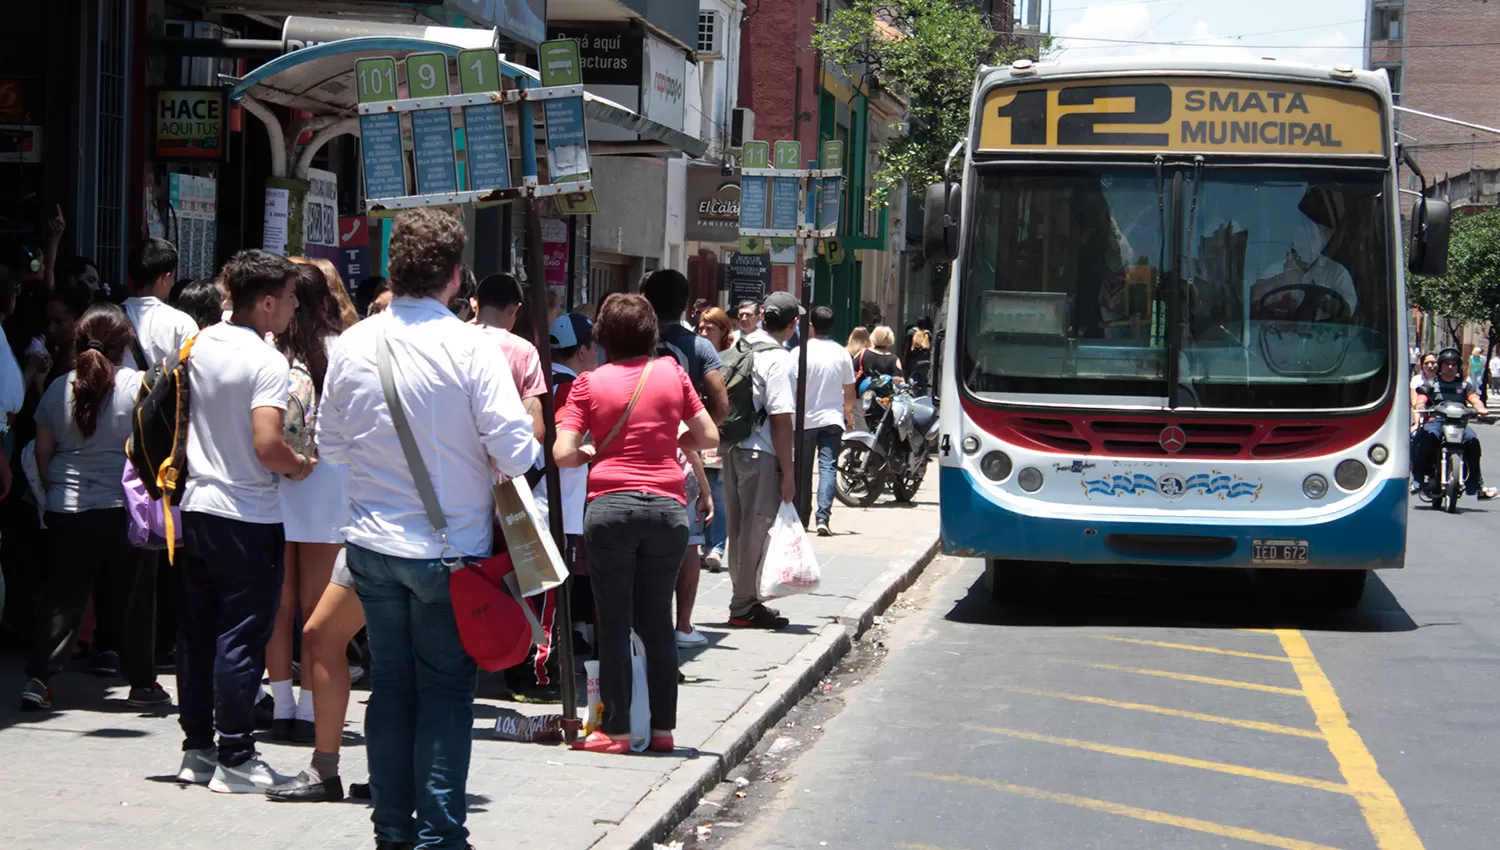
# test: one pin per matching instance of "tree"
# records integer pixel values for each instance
(927, 51)
(1470, 291)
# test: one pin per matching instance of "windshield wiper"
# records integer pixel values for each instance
(1182, 279)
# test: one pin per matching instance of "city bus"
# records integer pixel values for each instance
(1175, 324)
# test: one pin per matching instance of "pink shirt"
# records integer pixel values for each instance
(525, 363)
(642, 458)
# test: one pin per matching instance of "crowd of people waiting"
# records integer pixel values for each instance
(300, 507)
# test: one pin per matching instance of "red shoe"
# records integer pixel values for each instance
(598, 742)
(661, 744)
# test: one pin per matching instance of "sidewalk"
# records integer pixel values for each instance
(97, 774)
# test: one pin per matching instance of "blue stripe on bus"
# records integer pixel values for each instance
(1371, 535)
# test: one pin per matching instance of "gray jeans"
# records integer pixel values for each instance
(752, 495)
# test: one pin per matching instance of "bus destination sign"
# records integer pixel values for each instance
(1186, 115)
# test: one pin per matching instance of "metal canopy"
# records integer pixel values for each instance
(320, 80)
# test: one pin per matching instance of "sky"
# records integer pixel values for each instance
(1322, 32)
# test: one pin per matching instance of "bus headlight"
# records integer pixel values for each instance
(971, 445)
(1030, 479)
(1379, 454)
(1315, 486)
(996, 466)
(1350, 474)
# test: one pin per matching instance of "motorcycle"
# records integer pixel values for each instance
(894, 451)
(1446, 483)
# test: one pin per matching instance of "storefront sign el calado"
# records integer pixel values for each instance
(189, 123)
(713, 213)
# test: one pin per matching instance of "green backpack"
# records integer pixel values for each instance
(739, 385)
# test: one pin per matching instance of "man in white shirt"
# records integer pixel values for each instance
(232, 540)
(456, 389)
(830, 407)
(160, 329)
(759, 472)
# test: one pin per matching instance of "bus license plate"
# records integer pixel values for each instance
(1279, 552)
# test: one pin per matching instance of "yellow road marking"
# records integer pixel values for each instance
(1186, 677)
(1167, 758)
(1193, 648)
(1172, 712)
(1378, 802)
(1148, 815)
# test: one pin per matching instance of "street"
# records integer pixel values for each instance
(1133, 711)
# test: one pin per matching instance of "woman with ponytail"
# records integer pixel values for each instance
(82, 423)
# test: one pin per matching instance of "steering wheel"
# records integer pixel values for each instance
(1319, 303)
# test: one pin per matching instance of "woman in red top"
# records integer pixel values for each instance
(634, 524)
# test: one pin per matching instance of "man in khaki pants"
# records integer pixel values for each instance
(759, 472)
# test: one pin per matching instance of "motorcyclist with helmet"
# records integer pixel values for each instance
(1448, 385)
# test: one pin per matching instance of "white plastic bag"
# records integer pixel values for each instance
(640, 697)
(790, 566)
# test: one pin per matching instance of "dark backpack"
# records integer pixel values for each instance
(157, 447)
(739, 385)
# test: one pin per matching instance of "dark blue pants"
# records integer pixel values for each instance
(822, 445)
(231, 588)
(1424, 451)
(420, 722)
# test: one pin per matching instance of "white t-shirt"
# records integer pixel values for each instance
(1495, 366)
(231, 372)
(160, 327)
(829, 370)
(771, 373)
(575, 483)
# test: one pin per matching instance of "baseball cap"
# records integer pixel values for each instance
(781, 307)
(569, 330)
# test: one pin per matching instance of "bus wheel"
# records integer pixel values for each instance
(1013, 582)
(1337, 588)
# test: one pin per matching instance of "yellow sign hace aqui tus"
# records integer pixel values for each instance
(190, 123)
(1183, 115)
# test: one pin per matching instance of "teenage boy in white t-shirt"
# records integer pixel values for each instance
(232, 539)
(160, 329)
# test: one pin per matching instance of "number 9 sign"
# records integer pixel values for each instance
(427, 75)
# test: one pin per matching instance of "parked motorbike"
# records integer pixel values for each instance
(893, 453)
(1446, 483)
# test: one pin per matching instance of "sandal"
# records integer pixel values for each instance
(598, 742)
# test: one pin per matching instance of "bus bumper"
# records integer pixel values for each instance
(1371, 536)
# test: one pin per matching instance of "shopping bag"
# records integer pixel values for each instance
(539, 566)
(790, 566)
(595, 716)
(640, 697)
(145, 518)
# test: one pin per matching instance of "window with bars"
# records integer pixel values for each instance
(708, 34)
(112, 129)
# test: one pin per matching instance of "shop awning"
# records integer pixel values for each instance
(320, 80)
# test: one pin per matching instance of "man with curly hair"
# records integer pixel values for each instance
(466, 417)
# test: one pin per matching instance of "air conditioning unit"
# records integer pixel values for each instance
(741, 127)
(710, 35)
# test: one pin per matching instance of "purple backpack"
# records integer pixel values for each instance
(146, 523)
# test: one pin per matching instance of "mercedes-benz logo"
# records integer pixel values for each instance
(1173, 439)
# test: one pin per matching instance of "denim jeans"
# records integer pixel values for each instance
(421, 711)
(825, 441)
(718, 530)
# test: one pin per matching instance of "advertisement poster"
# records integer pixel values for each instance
(194, 199)
(747, 277)
(189, 124)
(555, 252)
(278, 215)
(320, 215)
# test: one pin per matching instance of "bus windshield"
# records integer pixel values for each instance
(1284, 284)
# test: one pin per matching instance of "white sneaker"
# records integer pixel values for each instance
(252, 777)
(823, 529)
(691, 639)
(198, 766)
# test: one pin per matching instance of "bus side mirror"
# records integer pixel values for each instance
(1430, 220)
(940, 222)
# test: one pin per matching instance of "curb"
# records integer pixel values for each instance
(666, 805)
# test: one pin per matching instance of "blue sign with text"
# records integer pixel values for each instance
(432, 148)
(783, 203)
(489, 158)
(385, 165)
(753, 202)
